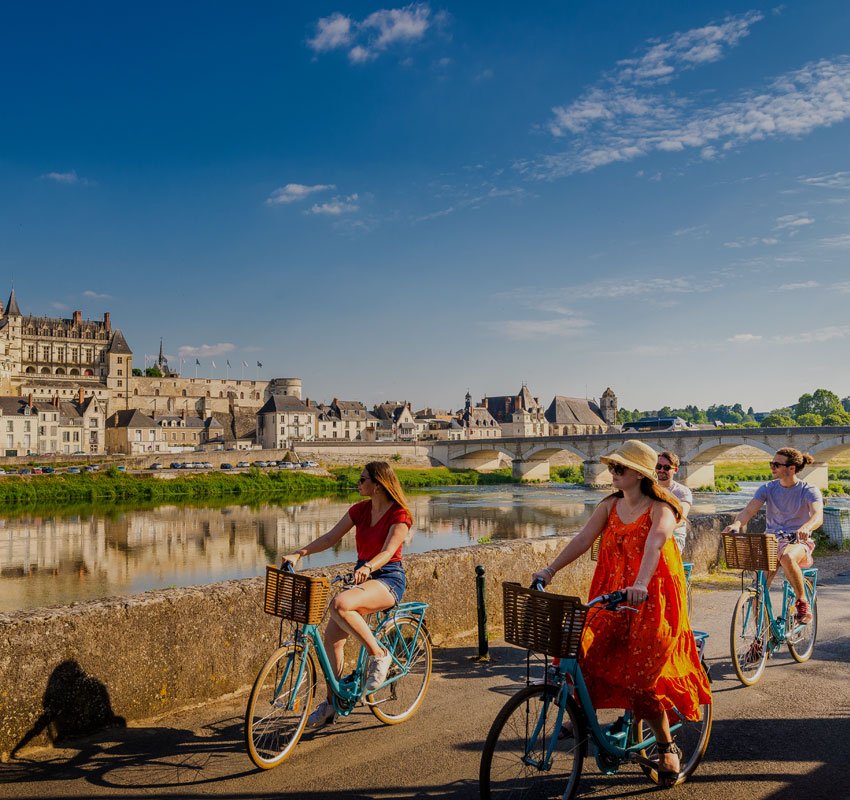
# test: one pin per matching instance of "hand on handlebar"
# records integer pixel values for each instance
(292, 559)
(732, 527)
(361, 575)
(636, 594)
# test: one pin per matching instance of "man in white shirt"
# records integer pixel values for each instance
(666, 467)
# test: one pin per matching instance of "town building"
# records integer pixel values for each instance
(518, 415)
(395, 421)
(477, 422)
(284, 421)
(133, 433)
(342, 419)
(574, 416)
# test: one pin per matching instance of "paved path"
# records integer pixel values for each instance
(786, 737)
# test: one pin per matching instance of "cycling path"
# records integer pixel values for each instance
(786, 737)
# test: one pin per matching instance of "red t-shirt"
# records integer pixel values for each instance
(370, 538)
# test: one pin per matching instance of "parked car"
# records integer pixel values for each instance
(37, 470)
(2, 471)
(155, 466)
(243, 464)
(48, 470)
(309, 464)
(207, 465)
(225, 465)
(73, 470)
(24, 471)
(91, 468)
(176, 465)
(261, 464)
(121, 468)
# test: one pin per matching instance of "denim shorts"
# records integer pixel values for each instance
(392, 576)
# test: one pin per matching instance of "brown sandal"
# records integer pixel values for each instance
(668, 778)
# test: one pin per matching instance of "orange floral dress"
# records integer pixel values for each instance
(645, 661)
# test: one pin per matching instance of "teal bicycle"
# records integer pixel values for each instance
(756, 633)
(285, 687)
(538, 742)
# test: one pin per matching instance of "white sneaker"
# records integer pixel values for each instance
(377, 673)
(323, 715)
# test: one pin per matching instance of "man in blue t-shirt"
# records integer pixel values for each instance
(793, 506)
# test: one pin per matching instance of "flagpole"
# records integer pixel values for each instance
(196, 369)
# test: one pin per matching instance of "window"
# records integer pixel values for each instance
(60, 354)
(27, 426)
(138, 436)
(73, 354)
(76, 436)
(42, 430)
(31, 353)
(88, 354)
(120, 372)
(66, 436)
(46, 351)
(27, 441)
(93, 422)
(10, 441)
(10, 425)
(120, 360)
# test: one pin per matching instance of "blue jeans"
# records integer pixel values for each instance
(392, 576)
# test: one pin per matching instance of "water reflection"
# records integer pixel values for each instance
(48, 559)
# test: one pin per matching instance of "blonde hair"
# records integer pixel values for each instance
(795, 458)
(381, 472)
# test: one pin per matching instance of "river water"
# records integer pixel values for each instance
(49, 559)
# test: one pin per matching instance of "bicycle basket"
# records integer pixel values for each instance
(296, 597)
(750, 551)
(543, 622)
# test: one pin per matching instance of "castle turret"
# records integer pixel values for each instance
(608, 406)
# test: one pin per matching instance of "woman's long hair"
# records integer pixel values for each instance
(382, 473)
(653, 491)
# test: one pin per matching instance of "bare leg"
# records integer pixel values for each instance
(349, 606)
(661, 728)
(791, 558)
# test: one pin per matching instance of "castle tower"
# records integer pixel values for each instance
(608, 406)
(119, 370)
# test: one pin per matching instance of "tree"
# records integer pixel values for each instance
(809, 420)
(153, 372)
(778, 421)
(137, 373)
(841, 418)
(822, 402)
(846, 403)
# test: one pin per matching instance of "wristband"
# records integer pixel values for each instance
(367, 564)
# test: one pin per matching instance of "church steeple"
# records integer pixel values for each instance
(12, 309)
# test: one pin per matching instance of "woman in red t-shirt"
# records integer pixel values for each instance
(382, 523)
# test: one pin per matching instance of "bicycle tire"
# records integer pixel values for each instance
(410, 643)
(692, 738)
(504, 774)
(801, 642)
(748, 638)
(272, 731)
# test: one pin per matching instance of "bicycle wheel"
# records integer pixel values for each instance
(748, 638)
(801, 638)
(278, 706)
(511, 762)
(410, 644)
(692, 738)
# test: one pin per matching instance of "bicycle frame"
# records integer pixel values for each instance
(347, 690)
(778, 627)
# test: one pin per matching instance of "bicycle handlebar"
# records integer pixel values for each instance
(347, 579)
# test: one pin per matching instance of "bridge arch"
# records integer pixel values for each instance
(712, 451)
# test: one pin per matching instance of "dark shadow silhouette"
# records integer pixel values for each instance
(75, 704)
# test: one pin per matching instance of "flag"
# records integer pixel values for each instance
(259, 363)
(244, 363)
(197, 363)
(228, 364)
(214, 366)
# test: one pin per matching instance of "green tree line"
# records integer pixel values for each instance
(821, 407)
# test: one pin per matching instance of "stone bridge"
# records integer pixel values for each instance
(698, 450)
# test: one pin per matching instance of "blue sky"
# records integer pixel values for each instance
(411, 201)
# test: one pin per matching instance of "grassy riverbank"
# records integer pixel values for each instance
(114, 487)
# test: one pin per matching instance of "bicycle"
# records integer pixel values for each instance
(527, 752)
(283, 692)
(756, 633)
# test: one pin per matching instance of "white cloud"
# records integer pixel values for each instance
(528, 329)
(67, 178)
(843, 287)
(619, 121)
(793, 287)
(792, 221)
(60, 306)
(293, 192)
(835, 180)
(752, 241)
(378, 32)
(826, 334)
(837, 241)
(205, 350)
(331, 32)
(91, 295)
(337, 206)
(744, 337)
(695, 231)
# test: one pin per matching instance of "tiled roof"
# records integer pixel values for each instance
(119, 345)
(280, 403)
(130, 418)
(573, 411)
(12, 309)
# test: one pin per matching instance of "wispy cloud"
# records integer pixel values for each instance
(744, 337)
(337, 206)
(793, 287)
(631, 112)
(473, 197)
(60, 306)
(379, 31)
(295, 192)
(92, 295)
(843, 287)
(793, 222)
(537, 328)
(834, 180)
(205, 350)
(751, 241)
(67, 178)
(825, 334)
(836, 241)
(694, 231)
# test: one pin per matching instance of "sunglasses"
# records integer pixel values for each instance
(663, 467)
(777, 465)
(617, 469)
(362, 479)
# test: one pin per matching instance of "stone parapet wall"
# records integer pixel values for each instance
(72, 669)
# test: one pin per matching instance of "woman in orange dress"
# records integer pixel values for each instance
(645, 661)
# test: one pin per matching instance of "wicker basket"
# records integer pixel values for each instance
(750, 551)
(543, 622)
(836, 524)
(296, 597)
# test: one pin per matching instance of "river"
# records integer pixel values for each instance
(54, 558)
